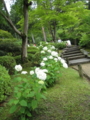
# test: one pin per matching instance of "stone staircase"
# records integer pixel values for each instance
(74, 55)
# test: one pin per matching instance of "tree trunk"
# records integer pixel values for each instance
(24, 50)
(44, 35)
(23, 35)
(89, 4)
(33, 38)
(25, 32)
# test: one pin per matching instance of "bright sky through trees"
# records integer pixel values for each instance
(9, 3)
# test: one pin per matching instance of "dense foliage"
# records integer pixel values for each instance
(8, 62)
(9, 48)
(5, 84)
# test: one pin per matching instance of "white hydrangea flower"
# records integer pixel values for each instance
(24, 72)
(28, 45)
(49, 51)
(41, 75)
(65, 65)
(50, 57)
(42, 64)
(55, 54)
(45, 59)
(41, 82)
(31, 72)
(42, 51)
(59, 58)
(53, 47)
(45, 48)
(18, 67)
(37, 69)
(62, 61)
(45, 70)
(46, 42)
(56, 59)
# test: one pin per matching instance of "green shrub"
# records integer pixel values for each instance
(2, 53)
(8, 62)
(10, 47)
(28, 65)
(60, 46)
(85, 41)
(8, 40)
(5, 84)
(30, 56)
(34, 58)
(18, 59)
(33, 55)
(32, 49)
(5, 34)
(27, 94)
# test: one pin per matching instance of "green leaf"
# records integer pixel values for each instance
(15, 101)
(29, 114)
(22, 110)
(31, 94)
(43, 97)
(18, 79)
(13, 109)
(34, 104)
(18, 94)
(11, 101)
(22, 117)
(23, 103)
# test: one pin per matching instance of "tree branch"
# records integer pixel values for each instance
(11, 24)
(5, 8)
(30, 3)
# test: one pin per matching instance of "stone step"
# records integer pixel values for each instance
(71, 52)
(73, 46)
(72, 49)
(76, 57)
(71, 55)
(79, 61)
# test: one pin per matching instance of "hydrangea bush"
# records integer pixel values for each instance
(30, 87)
(51, 61)
(28, 91)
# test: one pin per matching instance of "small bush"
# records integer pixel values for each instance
(34, 58)
(2, 53)
(33, 55)
(60, 46)
(28, 64)
(10, 47)
(8, 40)
(5, 34)
(85, 41)
(18, 59)
(8, 62)
(32, 49)
(5, 84)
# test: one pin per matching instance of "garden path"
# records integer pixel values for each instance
(75, 56)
